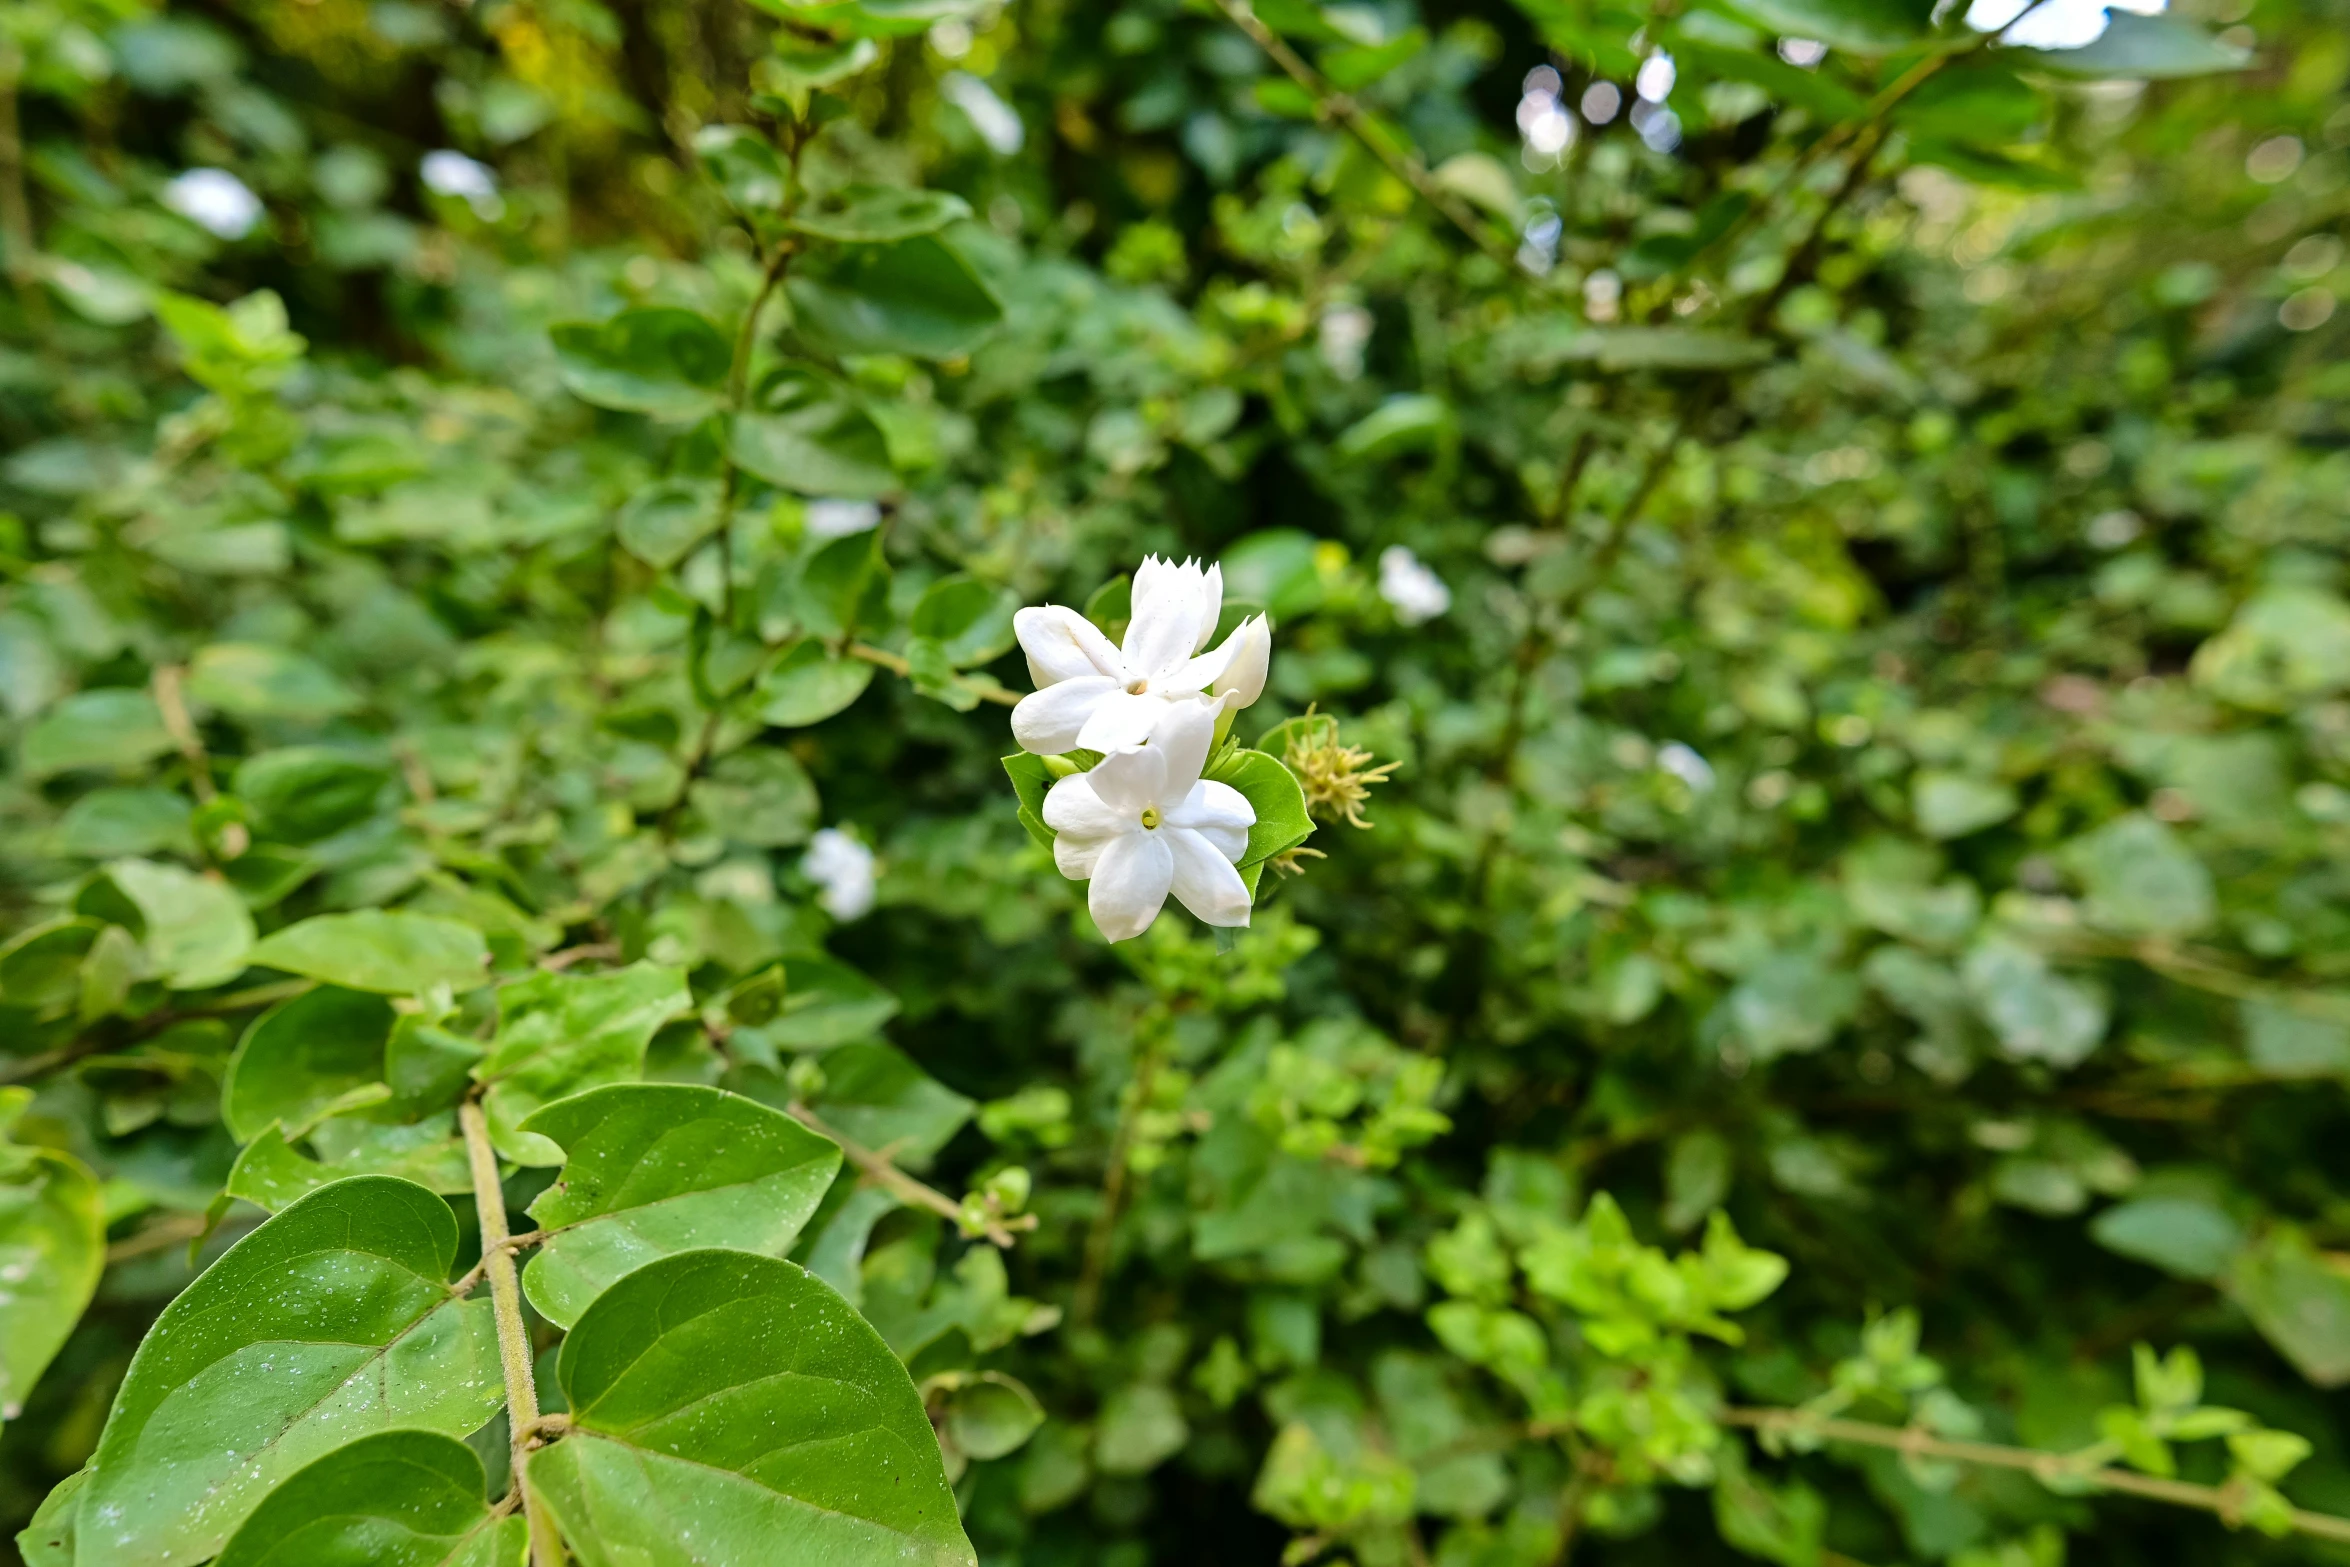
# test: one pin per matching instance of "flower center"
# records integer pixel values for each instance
(1150, 816)
(1138, 688)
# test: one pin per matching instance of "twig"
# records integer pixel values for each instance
(1331, 104)
(1101, 1236)
(1913, 1441)
(877, 1168)
(510, 1245)
(172, 702)
(590, 951)
(159, 1236)
(497, 1261)
(897, 664)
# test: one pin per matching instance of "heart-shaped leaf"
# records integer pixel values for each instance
(728, 1407)
(652, 1169)
(303, 1056)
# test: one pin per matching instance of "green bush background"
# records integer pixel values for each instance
(1884, 770)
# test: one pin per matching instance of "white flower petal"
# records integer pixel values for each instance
(1050, 721)
(1130, 882)
(1243, 678)
(1164, 629)
(1195, 675)
(1204, 880)
(1230, 842)
(1182, 737)
(1073, 806)
(1123, 721)
(1077, 856)
(1129, 780)
(1062, 645)
(1211, 604)
(1210, 805)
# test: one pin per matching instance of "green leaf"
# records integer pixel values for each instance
(1661, 348)
(2299, 1299)
(1031, 782)
(385, 951)
(52, 1250)
(663, 522)
(844, 587)
(916, 296)
(1352, 69)
(989, 1416)
(658, 360)
(970, 620)
(255, 680)
(304, 793)
(760, 795)
(112, 728)
(2150, 48)
(1282, 822)
(196, 930)
(2037, 1015)
(561, 1034)
(41, 968)
(331, 1320)
(877, 1095)
(807, 433)
(808, 685)
(1141, 1427)
(731, 1407)
(394, 1499)
(2141, 880)
(877, 214)
(826, 1004)
(652, 1169)
(1412, 423)
(2191, 1237)
(1951, 805)
(271, 1173)
(745, 166)
(303, 1059)
(109, 823)
(1861, 26)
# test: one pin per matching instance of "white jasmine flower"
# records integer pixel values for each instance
(1092, 695)
(1685, 764)
(843, 869)
(449, 173)
(1345, 332)
(1414, 592)
(215, 200)
(1143, 824)
(837, 519)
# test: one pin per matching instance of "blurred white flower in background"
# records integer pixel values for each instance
(842, 868)
(996, 122)
(1143, 824)
(1657, 76)
(2054, 24)
(1686, 765)
(214, 200)
(837, 519)
(1345, 333)
(449, 173)
(1542, 120)
(1804, 52)
(1410, 588)
(1091, 695)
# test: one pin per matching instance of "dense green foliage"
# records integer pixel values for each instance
(1811, 639)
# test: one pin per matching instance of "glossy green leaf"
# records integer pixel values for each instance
(2144, 48)
(1411, 423)
(808, 685)
(827, 1003)
(386, 951)
(970, 620)
(48, 1541)
(107, 824)
(196, 931)
(733, 1409)
(394, 1499)
(759, 795)
(877, 1095)
(304, 793)
(111, 728)
(562, 1034)
(271, 1173)
(657, 360)
(255, 680)
(331, 1320)
(806, 433)
(52, 1250)
(844, 587)
(302, 1058)
(916, 296)
(876, 214)
(41, 968)
(1032, 780)
(651, 1169)
(663, 522)
(1282, 823)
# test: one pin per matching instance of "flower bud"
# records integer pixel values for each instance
(1243, 679)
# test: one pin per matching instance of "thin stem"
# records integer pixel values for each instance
(1101, 1237)
(877, 1168)
(2225, 1500)
(497, 1260)
(171, 701)
(1331, 104)
(978, 685)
